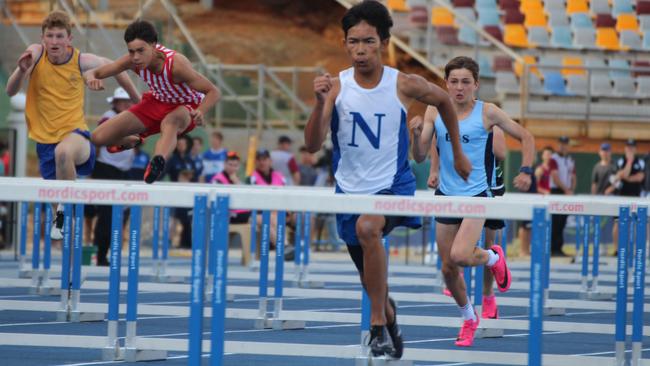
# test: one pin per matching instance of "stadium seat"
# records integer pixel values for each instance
(486, 4)
(538, 36)
(467, 35)
(576, 84)
(419, 16)
(599, 7)
(515, 35)
(630, 39)
(509, 4)
(581, 20)
(624, 86)
(506, 83)
(531, 6)
(558, 19)
(605, 21)
(607, 38)
(554, 83)
(494, 31)
(529, 60)
(643, 7)
(642, 64)
(514, 16)
(619, 68)
(646, 41)
(622, 7)
(463, 3)
(643, 87)
(397, 5)
(554, 4)
(644, 22)
(596, 62)
(448, 35)
(577, 6)
(561, 37)
(502, 63)
(488, 18)
(601, 86)
(468, 13)
(441, 17)
(485, 66)
(535, 85)
(627, 22)
(535, 19)
(572, 61)
(584, 38)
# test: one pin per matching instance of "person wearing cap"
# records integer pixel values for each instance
(112, 166)
(284, 162)
(629, 177)
(229, 175)
(563, 181)
(603, 171)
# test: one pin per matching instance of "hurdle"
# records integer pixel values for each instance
(591, 291)
(302, 251)
(160, 259)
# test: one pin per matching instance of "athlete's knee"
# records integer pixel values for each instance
(368, 231)
(459, 256)
(449, 270)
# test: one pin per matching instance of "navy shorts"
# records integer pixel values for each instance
(47, 163)
(346, 224)
(489, 223)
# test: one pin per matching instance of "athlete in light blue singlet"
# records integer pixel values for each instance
(457, 238)
(365, 109)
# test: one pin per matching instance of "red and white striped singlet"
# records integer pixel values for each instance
(162, 85)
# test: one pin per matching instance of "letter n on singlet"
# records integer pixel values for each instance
(357, 119)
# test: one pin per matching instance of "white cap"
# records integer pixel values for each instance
(119, 93)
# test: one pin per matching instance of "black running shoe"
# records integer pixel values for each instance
(395, 333)
(56, 232)
(154, 169)
(379, 344)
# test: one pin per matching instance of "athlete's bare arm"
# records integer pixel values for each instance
(95, 68)
(434, 170)
(498, 143)
(26, 63)
(496, 117)
(414, 87)
(184, 73)
(326, 89)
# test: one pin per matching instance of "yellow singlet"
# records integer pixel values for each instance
(55, 99)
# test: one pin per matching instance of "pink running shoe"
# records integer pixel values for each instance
(446, 291)
(466, 336)
(500, 270)
(490, 310)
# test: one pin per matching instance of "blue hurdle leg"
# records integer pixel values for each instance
(585, 254)
(621, 285)
(365, 320)
(536, 302)
(478, 278)
(297, 249)
(23, 214)
(306, 254)
(261, 322)
(595, 264)
(253, 221)
(76, 261)
(639, 285)
(36, 250)
(165, 241)
(219, 294)
(155, 241)
(46, 287)
(64, 312)
(198, 279)
(112, 351)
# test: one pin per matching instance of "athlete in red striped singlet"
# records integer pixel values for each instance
(177, 99)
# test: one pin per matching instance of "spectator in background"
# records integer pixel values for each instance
(181, 168)
(112, 166)
(646, 176)
(603, 171)
(543, 171)
(284, 161)
(4, 159)
(197, 156)
(563, 181)
(229, 176)
(307, 168)
(140, 162)
(185, 175)
(214, 158)
(628, 180)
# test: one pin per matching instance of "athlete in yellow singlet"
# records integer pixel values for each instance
(55, 101)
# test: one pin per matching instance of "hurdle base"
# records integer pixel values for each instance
(112, 354)
(86, 316)
(137, 355)
(591, 295)
(25, 273)
(262, 323)
(489, 333)
(554, 311)
(48, 291)
(380, 361)
(169, 279)
(283, 324)
(229, 297)
(309, 284)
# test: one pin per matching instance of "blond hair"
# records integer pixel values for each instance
(57, 19)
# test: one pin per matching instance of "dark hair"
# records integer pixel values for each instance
(141, 29)
(462, 62)
(373, 12)
(549, 148)
(232, 155)
(198, 139)
(218, 135)
(284, 139)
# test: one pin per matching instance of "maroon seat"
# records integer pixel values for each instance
(643, 7)
(419, 17)
(605, 21)
(494, 31)
(448, 35)
(509, 4)
(514, 16)
(463, 3)
(644, 64)
(502, 63)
